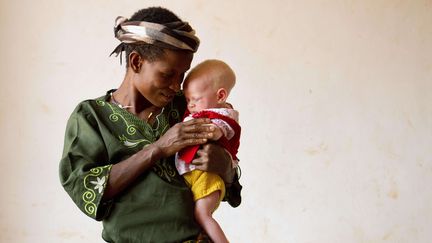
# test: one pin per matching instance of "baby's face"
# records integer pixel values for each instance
(200, 95)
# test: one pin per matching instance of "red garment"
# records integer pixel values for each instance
(232, 145)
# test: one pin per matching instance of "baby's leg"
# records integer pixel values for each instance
(204, 208)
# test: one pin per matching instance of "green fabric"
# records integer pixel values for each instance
(158, 207)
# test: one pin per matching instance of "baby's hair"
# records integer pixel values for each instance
(221, 75)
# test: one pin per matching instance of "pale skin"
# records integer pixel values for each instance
(147, 87)
(208, 86)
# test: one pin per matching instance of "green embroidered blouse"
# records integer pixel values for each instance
(158, 207)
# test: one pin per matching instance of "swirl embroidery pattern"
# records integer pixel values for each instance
(149, 134)
(132, 125)
(164, 170)
(90, 197)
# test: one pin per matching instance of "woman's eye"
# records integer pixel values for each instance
(167, 75)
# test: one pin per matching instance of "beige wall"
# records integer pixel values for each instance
(335, 100)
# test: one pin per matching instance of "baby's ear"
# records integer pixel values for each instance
(222, 95)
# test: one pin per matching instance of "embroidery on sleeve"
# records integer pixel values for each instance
(92, 182)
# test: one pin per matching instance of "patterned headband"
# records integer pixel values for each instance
(175, 35)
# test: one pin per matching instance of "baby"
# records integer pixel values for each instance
(206, 88)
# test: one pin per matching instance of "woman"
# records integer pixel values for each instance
(118, 163)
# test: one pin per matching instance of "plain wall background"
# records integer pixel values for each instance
(335, 101)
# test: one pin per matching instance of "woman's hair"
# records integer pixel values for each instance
(155, 15)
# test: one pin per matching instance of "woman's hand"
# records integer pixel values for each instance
(214, 158)
(183, 134)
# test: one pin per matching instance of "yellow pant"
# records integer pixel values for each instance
(203, 183)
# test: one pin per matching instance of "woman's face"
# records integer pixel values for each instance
(158, 81)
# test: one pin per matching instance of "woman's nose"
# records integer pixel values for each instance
(175, 85)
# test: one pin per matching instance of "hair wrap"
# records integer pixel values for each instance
(175, 35)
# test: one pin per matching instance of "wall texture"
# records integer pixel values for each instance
(334, 97)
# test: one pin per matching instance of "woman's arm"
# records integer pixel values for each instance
(216, 159)
(179, 136)
(125, 172)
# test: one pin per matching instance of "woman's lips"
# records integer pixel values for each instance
(168, 97)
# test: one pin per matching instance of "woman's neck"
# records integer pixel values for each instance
(131, 99)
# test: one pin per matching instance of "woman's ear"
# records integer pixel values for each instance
(135, 61)
(222, 95)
